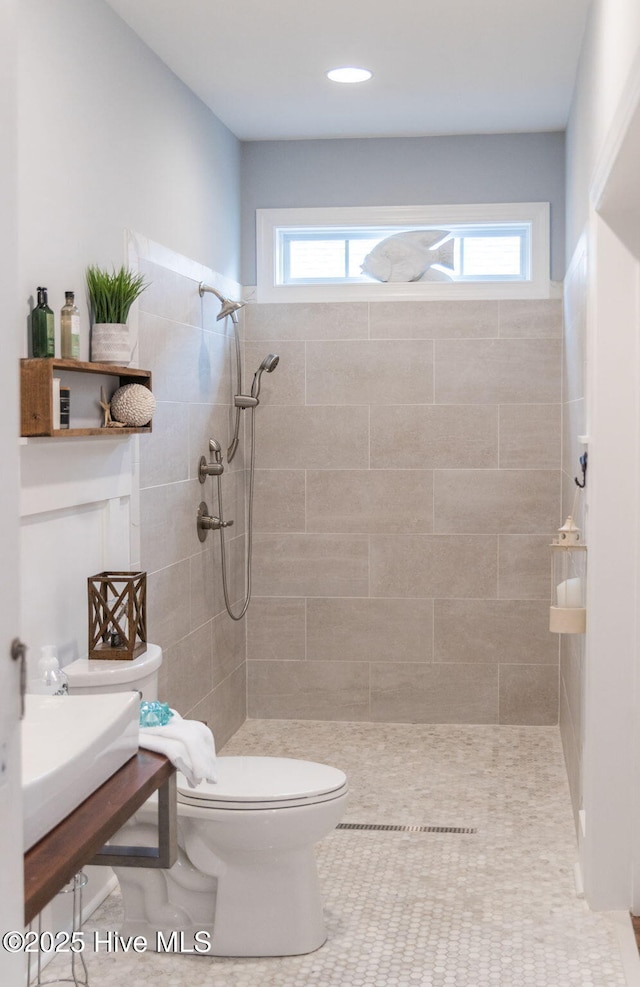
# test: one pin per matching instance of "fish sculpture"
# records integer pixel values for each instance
(410, 256)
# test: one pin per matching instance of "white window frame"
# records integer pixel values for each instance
(269, 221)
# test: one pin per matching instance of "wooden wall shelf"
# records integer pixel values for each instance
(36, 395)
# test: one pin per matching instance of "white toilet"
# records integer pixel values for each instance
(246, 877)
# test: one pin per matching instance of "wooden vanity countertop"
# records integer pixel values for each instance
(52, 862)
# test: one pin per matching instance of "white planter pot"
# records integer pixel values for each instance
(110, 343)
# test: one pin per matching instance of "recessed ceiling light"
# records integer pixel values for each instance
(349, 74)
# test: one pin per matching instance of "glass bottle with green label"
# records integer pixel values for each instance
(42, 327)
(69, 328)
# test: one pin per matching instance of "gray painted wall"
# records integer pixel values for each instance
(403, 171)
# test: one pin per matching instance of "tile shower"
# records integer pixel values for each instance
(203, 672)
(408, 480)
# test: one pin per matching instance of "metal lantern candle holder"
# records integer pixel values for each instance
(568, 614)
(117, 615)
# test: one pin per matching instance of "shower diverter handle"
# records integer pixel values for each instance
(207, 522)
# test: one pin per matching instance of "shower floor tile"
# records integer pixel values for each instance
(494, 908)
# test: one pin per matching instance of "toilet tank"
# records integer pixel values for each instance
(90, 676)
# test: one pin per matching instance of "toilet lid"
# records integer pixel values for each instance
(265, 782)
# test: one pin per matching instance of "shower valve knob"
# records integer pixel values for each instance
(207, 522)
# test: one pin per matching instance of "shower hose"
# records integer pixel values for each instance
(249, 552)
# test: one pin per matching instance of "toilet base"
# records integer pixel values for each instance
(268, 907)
(262, 900)
(263, 907)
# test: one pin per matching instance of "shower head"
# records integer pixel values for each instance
(227, 305)
(269, 364)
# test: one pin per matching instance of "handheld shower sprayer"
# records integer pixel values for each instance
(269, 364)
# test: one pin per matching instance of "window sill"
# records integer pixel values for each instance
(400, 291)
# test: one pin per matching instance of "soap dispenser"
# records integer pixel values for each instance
(49, 680)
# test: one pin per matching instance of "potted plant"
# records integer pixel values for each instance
(111, 295)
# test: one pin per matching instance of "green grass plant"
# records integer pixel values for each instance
(112, 293)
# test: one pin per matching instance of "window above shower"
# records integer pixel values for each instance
(404, 252)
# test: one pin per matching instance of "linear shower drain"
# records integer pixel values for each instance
(408, 829)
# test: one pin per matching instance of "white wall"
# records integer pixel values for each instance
(602, 172)
(109, 140)
(11, 911)
(611, 42)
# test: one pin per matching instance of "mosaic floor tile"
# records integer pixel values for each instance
(495, 908)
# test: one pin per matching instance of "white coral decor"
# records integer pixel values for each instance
(133, 405)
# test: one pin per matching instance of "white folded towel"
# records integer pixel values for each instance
(188, 744)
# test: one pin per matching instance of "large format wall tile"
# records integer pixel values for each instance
(189, 669)
(524, 567)
(500, 501)
(529, 694)
(497, 371)
(168, 533)
(574, 415)
(311, 565)
(166, 458)
(205, 592)
(190, 356)
(224, 709)
(285, 384)
(370, 372)
(170, 295)
(321, 320)
(530, 436)
(511, 631)
(312, 438)
(434, 565)
(228, 646)
(571, 675)
(279, 500)
(535, 317)
(434, 437)
(572, 750)
(434, 320)
(370, 630)
(408, 456)
(207, 421)
(431, 693)
(370, 500)
(308, 690)
(276, 628)
(187, 364)
(168, 604)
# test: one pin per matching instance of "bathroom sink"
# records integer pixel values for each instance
(70, 746)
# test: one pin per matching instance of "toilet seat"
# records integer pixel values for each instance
(264, 783)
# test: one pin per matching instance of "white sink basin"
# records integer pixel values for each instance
(70, 746)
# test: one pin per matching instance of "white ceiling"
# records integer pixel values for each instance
(451, 67)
